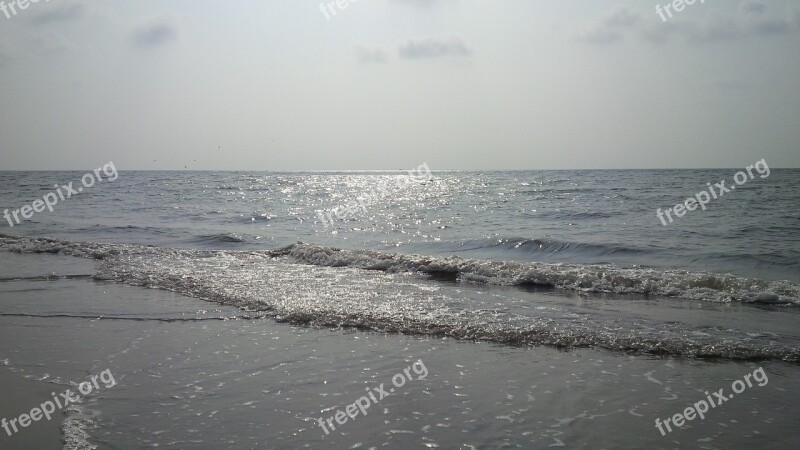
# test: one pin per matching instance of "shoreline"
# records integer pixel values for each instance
(257, 383)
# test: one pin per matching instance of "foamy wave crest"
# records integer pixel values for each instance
(589, 278)
(22, 244)
(93, 250)
(601, 278)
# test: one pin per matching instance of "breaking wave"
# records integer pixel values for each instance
(578, 277)
(324, 286)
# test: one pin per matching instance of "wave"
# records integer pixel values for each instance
(264, 283)
(323, 286)
(217, 239)
(604, 278)
(600, 278)
(541, 247)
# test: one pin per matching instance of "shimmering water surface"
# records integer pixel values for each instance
(553, 216)
(521, 260)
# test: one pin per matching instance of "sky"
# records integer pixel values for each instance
(390, 84)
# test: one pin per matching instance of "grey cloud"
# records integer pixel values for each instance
(155, 34)
(729, 28)
(58, 12)
(434, 48)
(752, 20)
(773, 26)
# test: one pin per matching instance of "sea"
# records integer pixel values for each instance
(551, 308)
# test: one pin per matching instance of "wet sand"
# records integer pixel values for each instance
(19, 397)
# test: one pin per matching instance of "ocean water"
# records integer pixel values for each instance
(257, 240)
(551, 260)
(582, 217)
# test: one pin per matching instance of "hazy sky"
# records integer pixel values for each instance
(390, 84)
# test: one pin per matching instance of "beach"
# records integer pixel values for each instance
(238, 343)
(399, 224)
(188, 380)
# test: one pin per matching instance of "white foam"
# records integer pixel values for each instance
(589, 278)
